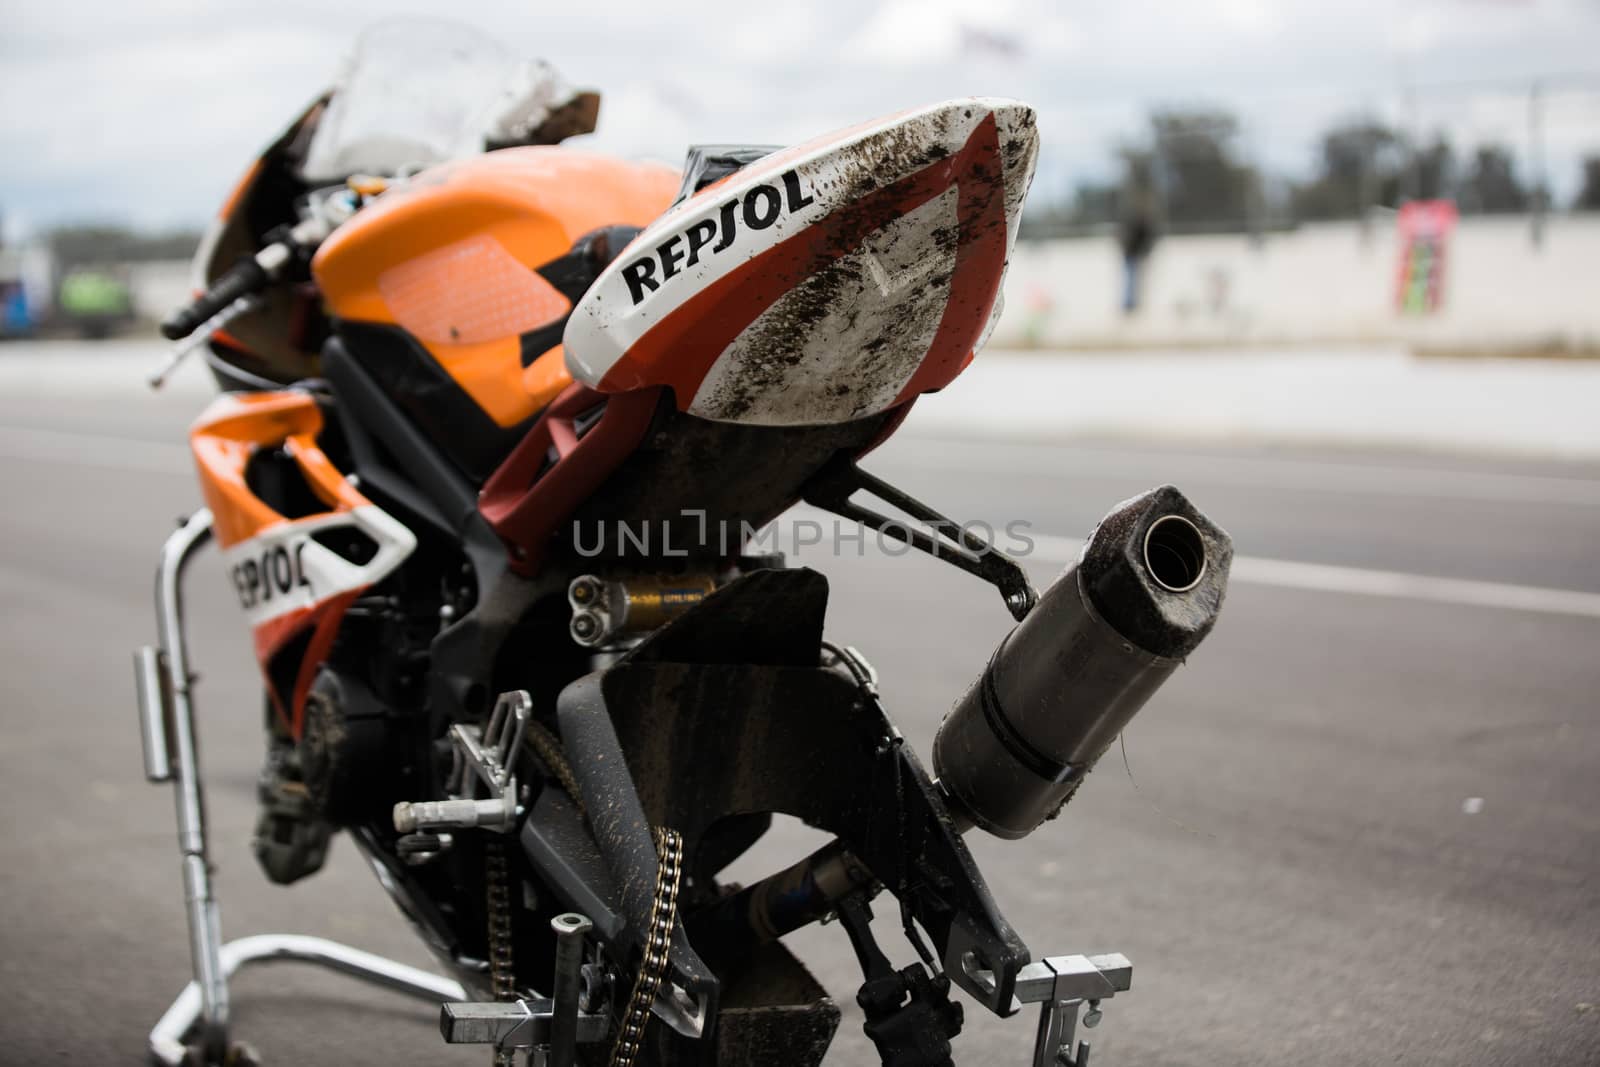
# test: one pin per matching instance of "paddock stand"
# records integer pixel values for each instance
(194, 1031)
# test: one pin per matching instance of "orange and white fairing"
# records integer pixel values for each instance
(287, 582)
(823, 283)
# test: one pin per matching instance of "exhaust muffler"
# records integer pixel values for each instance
(1062, 685)
(1056, 693)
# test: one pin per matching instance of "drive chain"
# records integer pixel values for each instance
(657, 947)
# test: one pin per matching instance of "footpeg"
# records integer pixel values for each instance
(484, 762)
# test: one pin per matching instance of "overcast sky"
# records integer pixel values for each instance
(145, 112)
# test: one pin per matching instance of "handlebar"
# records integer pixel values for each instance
(246, 277)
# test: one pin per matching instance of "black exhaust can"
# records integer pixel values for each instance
(1062, 685)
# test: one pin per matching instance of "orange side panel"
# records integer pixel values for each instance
(222, 440)
(450, 257)
(230, 429)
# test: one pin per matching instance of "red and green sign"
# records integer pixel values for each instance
(1425, 229)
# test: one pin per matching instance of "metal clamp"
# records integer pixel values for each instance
(1063, 984)
(512, 1024)
(554, 1025)
(155, 712)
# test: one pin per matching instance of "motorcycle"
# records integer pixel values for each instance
(501, 419)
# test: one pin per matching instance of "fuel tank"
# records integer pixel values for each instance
(469, 270)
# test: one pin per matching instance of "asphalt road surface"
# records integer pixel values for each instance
(1362, 825)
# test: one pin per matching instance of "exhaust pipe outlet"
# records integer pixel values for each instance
(1062, 685)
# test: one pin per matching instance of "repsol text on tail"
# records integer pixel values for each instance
(760, 207)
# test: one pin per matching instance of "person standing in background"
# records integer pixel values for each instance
(1137, 236)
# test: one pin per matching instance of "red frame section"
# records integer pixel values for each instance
(524, 506)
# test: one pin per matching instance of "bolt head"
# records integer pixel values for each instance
(571, 923)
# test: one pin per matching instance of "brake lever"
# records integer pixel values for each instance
(287, 245)
(202, 336)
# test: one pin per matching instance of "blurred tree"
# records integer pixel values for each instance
(1093, 203)
(1589, 196)
(1138, 170)
(1490, 185)
(1357, 166)
(1435, 170)
(1199, 179)
(1099, 203)
(1363, 163)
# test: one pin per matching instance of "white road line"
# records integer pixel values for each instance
(1361, 581)
(94, 450)
(996, 457)
(124, 453)
(1070, 460)
(1052, 550)
(1289, 574)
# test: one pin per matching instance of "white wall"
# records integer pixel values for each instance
(159, 287)
(1319, 283)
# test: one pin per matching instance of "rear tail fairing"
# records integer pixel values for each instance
(295, 574)
(824, 283)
